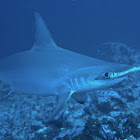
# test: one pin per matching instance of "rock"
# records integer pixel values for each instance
(115, 113)
(118, 52)
(131, 138)
(106, 133)
(136, 93)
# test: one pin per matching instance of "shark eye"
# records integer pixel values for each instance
(107, 75)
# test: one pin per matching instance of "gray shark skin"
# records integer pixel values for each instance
(48, 70)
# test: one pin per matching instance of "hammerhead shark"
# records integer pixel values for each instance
(49, 70)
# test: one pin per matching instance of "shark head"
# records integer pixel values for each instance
(96, 77)
(106, 82)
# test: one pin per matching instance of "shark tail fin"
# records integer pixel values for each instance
(43, 38)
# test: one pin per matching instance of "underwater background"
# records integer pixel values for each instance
(78, 25)
(106, 29)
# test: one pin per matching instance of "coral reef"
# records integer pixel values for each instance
(117, 52)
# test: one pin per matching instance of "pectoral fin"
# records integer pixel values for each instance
(61, 100)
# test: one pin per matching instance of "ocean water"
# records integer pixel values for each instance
(108, 30)
(77, 25)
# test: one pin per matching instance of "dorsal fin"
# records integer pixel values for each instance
(43, 38)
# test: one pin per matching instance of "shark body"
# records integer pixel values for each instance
(47, 69)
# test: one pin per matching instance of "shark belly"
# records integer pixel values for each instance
(29, 83)
(33, 87)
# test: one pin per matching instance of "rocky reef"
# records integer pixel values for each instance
(112, 114)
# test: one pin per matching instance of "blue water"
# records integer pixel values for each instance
(78, 25)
